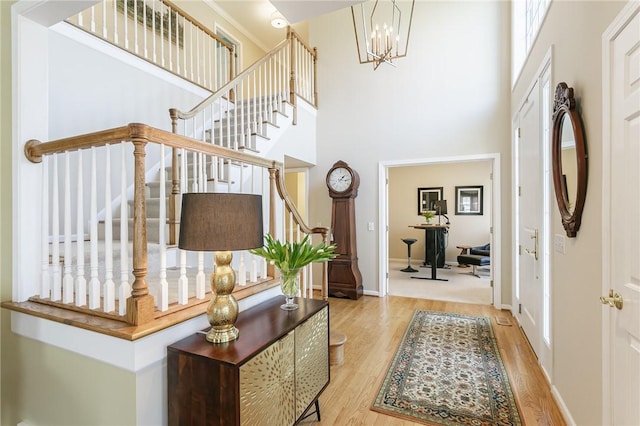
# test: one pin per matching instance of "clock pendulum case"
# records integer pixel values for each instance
(345, 279)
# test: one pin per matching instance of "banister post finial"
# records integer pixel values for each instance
(30, 151)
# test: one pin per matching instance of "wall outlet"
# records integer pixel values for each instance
(370, 226)
(559, 243)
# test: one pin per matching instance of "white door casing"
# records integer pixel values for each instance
(529, 203)
(621, 213)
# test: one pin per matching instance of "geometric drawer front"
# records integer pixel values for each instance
(267, 386)
(312, 359)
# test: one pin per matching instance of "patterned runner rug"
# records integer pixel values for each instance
(448, 371)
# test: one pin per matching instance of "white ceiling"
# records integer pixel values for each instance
(253, 17)
(298, 11)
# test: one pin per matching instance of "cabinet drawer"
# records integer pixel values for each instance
(312, 359)
(267, 392)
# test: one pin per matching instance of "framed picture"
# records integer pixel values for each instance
(469, 200)
(426, 198)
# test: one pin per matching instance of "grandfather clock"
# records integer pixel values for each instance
(345, 279)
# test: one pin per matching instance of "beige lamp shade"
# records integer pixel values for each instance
(220, 222)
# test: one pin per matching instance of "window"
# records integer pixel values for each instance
(526, 19)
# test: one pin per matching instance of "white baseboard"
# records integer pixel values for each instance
(563, 407)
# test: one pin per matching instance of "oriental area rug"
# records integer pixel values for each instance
(448, 371)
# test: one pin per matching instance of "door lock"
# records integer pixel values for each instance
(614, 299)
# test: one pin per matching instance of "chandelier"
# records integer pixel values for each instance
(382, 30)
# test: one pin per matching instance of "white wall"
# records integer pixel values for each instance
(574, 29)
(448, 97)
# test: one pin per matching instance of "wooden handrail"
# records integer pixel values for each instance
(184, 115)
(177, 34)
(140, 306)
(34, 150)
(275, 174)
(210, 33)
(177, 114)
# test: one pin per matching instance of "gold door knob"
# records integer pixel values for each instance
(614, 299)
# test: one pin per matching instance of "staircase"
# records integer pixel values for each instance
(261, 133)
(223, 144)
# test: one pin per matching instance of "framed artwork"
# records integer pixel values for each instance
(426, 198)
(469, 200)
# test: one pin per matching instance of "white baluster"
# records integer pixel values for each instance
(205, 176)
(200, 277)
(183, 171)
(93, 19)
(310, 280)
(259, 100)
(183, 281)
(194, 168)
(145, 31)
(56, 290)
(109, 286)
(135, 26)
(153, 25)
(170, 39)
(254, 127)
(242, 271)
(81, 281)
(162, 30)
(263, 268)
(162, 300)
(67, 280)
(126, 24)
(253, 270)
(115, 22)
(45, 285)
(124, 288)
(104, 19)
(94, 282)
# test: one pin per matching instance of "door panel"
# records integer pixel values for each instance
(529, 218)
(624, 225)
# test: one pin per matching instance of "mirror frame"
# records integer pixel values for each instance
(564, 106)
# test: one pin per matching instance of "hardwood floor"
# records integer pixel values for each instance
(374, 327)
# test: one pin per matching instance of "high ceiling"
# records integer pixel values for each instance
(253, 17)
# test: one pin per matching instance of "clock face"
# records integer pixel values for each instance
(340, 179)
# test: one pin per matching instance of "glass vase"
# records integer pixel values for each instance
(289, 285)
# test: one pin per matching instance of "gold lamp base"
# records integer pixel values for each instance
(222, 310)
(222, 336)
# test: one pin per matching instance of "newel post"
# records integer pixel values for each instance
(174, 198)
(140, 306)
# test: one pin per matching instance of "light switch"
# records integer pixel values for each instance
(559, 243)
(370, 226)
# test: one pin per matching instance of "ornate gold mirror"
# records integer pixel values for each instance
(569, 159)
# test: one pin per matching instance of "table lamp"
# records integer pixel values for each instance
(221, 223)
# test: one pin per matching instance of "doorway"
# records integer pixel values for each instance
(492, 198)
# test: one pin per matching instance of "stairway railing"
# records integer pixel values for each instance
(161, 33)
(237, 117)
(67, 217)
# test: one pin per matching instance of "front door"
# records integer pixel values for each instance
(529, 217)
(621, 223)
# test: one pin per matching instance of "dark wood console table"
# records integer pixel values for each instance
(433, 259)
(272, 374)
